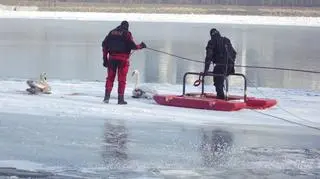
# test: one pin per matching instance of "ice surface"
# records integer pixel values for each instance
(85, 99)
(61, 133)
(182, 18)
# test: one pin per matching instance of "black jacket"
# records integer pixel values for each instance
(220, 52)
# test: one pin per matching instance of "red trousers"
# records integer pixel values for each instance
(114, 66)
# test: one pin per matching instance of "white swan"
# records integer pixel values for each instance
(40, 86)
(142, 91)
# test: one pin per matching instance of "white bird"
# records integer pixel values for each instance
(40, 86)
(142, 91)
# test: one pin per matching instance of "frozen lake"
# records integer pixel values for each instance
(76, 136)
(63, 135)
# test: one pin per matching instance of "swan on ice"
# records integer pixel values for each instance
(142, 91)
(40, 86)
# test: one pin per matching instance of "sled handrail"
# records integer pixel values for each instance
(213, 74)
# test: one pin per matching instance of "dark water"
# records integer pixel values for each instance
(72, 50)
(262, 46)
(115, 148)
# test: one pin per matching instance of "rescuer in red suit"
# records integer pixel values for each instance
(117, 47)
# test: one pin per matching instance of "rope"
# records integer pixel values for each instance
(243, 66)
(286, 120)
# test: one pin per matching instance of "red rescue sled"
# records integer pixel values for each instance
(210, 102)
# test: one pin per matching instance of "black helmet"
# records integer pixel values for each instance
(125, 25)
(214, 32)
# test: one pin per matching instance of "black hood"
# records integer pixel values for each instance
(214, 33)
(124, 25)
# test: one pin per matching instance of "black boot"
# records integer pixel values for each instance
(106, 97)
(221, 96)
(121, 100)
(220, 92)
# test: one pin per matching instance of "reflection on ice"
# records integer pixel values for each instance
(115, 144)
(215, 146)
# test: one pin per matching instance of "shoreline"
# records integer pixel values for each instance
(176, 9)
